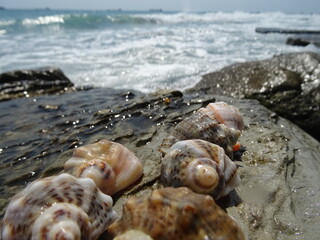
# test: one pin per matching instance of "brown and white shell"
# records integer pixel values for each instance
(218, 123)
(111, 165)
(200, 165)
(59, 207)
(226, 114)
(177, 213)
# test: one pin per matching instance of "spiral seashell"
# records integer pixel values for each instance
(218, 123)
(226, 114)
(177, 213)
(111, 165)
(59, 207)
(201, 166)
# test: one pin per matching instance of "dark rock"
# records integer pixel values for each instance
(47, 80)
(285, 31)
(288, 84)
(279, 194)
(304, 40)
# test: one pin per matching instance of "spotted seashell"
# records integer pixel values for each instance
(177, 213)
(111, 165)
(202, 166)
(59, 207)
(218, 123)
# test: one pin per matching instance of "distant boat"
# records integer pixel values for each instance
(155, 10)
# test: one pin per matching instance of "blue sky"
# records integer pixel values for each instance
(305, 6)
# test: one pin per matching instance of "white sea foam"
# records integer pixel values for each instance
(146, 51)
(7, 22)
(43, 20)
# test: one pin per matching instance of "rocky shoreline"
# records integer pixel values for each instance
(28, 83)
(279, 194)
(288, 84)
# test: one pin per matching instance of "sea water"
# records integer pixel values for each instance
(142, 50)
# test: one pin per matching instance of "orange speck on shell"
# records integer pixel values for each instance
(236, 147)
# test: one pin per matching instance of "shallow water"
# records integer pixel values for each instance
(39, 134)
(36, 132)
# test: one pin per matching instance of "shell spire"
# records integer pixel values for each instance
(111, 165)
(201, 166)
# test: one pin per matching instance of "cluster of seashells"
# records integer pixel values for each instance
(196, 168)
(75, 204)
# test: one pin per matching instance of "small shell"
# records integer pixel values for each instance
(177, 213)
(59, 207)
(218, 123)
(226, 114)
(111, 165)
(201, 166)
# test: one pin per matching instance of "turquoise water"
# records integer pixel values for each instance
(141, 50)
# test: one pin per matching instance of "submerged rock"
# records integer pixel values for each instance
(278, 197)
(48, 80)
(288, 84)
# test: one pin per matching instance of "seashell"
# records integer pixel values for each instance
(202, 166)
(226, 114)
(59, 207)
(218, 123)
(111, 165)
(177, 213)
(133, 234)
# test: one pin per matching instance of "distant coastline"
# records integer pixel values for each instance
(155, 10)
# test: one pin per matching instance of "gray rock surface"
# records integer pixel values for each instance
(288, 84)
(278, 198)
(266, 30)
(304, 40)
(48, 80)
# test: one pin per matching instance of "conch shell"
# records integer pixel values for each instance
(111, 165)
(59, 207)
(177, 213)
(202, 166)
(226, 114)
(218, 123)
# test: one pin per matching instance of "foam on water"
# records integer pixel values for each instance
(141, 50)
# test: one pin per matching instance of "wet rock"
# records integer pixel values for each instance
(288, 84)
(279, 194)
(285, 31)
(304, 40)
(26, 83)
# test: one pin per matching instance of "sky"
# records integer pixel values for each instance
(288, 6)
